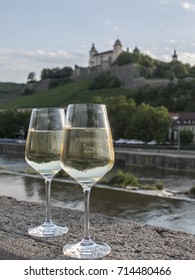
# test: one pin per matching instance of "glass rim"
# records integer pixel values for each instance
(46, 108)
(86, 104)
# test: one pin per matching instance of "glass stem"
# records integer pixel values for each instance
(48, 208)
(87, 237)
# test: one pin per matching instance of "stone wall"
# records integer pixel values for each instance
(128, 73)
(37, 86)
(174, 162)
(128, 158)
(12, 148)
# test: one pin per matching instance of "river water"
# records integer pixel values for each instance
(175, 212)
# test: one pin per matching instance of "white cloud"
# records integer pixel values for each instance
(165, 57)
(172, 41)
(184, 57)
(188, 6)
(16, 64)
(164, 2)
(110, 24)
(187, 57)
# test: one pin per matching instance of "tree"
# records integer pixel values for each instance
(148, 123)
(124, 58)
(105, 81)
(186, 136)
(56, 73)
(179, 69)
(31, 77)
(120, 109)
(11, 121)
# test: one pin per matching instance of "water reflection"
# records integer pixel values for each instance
(165, 212)
(62, 194)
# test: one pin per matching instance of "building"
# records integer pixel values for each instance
(99, 62)
(182, 121)
(174, 56)
(97, 59)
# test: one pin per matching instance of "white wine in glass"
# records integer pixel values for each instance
(42, 153)
(87, 154)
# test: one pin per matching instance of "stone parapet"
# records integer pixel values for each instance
(128, 240)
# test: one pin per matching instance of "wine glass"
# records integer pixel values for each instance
(87, 154)
(42, 152)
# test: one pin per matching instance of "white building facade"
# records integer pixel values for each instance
(97, 59)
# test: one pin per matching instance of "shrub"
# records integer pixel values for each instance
(192, 191)
(122, 179)
(159, 185)
(105, 81)
(11, 121)
(59, 82)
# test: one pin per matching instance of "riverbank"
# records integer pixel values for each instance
(143, 206)
(179, 162)
(18, 166)
(131, 189)
(127, 239)
(126, 158)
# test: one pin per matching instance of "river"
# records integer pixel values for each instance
(175, 212)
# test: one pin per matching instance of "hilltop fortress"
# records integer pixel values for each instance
(100, 62)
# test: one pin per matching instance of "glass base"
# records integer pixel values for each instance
(47, 230)
(86, 250)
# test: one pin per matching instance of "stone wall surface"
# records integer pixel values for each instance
(12, 149)
(128, 73)
(128, 240)
(182, 162)
(173, 161)
(37, 86)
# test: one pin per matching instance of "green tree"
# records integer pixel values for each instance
(186, 136)
(31, 77)
(179, 69)
(105, 81)
(160, 69)
(149, 123)
(120, 109)
(147, 61)
(124, 58)
(56, 73)
(11, 121)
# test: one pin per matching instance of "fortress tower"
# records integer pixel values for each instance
(174, 56)
(97, 59)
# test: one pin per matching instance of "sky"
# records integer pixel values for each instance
(40, 34)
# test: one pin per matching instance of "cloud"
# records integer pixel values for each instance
(187, 57)
(164, 2)
(184, 57)
(172, 41)
(110, 24)
(188, 6)
(15, 65)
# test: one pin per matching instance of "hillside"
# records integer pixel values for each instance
(61, 96)
(144, 79)
(9, 91)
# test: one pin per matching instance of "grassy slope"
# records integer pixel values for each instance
(7, 87)
(9, 91)
(76, 92)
